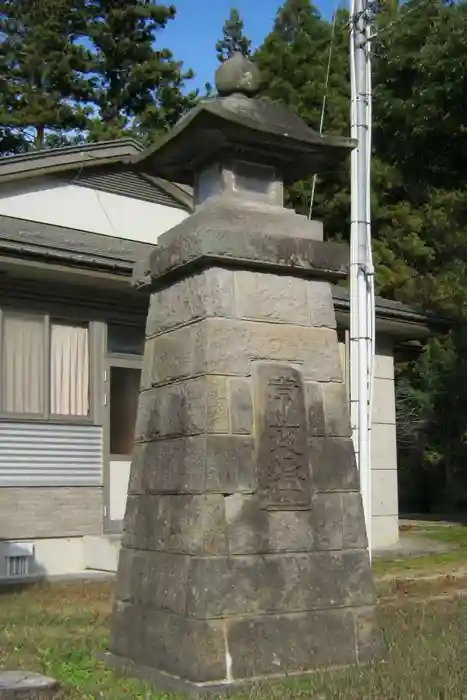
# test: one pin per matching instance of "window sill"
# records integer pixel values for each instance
(55, 420)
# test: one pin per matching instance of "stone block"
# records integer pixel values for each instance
(332, 463)
(157, 580)
(177, 354)
(338, 521)
(230, 347)
(235, 345)
(189, 407)
(290, 644)
(267, 297)
(212, 463)
(241, 407)
(187, 524)
(217, 405)
(281, 432)
(246, 236)
(256, 585)
(320, 304)
(26, 685)
(315, 408)
(169, 466)
(231, 464)
(354, 529)
(251, 529)
(208, 293)
(193, 649)
(368, 635)
(336, 412)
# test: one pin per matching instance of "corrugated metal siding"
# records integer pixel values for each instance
(127, 184)
(45, 454)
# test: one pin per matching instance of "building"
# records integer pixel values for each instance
(72, 223)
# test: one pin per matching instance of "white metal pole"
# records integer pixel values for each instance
(361, 346)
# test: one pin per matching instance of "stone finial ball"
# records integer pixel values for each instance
(238, 75)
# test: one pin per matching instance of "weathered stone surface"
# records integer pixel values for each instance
(268, 297)
(183, 524)
(169, 466)
(241, 406)
(251, 529)
(217, 405)
(338, 522)
(229, 346)
(320, 304)
(337, 418)
(283, 473)
(315, 408)
(21, 685)
(238, 75)
(203, 463)
(177, 354)
(231, 464)
(208, 293)
(236, 234)
(155, 579)
(368, 635)
(243, 550)
(193, 649)
(241, 585)
(332, 463)
(189, 407)
(354, 530)
(294, 643)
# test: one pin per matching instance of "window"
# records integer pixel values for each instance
(124, 393)
(125, 340)
(44, 367)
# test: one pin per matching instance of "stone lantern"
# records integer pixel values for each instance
(244, 553)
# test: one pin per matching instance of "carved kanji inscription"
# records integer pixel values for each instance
(283, 473)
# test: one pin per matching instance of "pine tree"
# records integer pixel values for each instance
(43, 69)
(233, 39)
(138, 86)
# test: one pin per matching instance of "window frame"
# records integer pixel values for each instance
(46, 416)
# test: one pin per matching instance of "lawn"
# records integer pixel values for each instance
(446, 563)
(56, 629)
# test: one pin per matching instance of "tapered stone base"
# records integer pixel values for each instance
(244, 554)
(252, 650)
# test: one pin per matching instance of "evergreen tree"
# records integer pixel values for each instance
(233, 39)
(43, 69)
(293, 61)
(137, 86)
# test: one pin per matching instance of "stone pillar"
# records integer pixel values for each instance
(244, 553)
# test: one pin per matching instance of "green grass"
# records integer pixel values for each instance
(433, 563)
(57, 630)
(451, 534)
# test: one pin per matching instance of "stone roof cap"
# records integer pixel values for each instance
(237, 124)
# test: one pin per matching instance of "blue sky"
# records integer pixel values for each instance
(193, 34)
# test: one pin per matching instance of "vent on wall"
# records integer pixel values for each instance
(17, 566)
(18, 559)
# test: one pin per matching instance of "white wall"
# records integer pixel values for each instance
(52, 557)
(83, 208)
(385, 507)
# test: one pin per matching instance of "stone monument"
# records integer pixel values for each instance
(244, 553)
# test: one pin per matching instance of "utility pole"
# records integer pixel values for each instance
(361, 267)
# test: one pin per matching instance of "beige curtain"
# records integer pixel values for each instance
(23, 364)
(69, 370)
